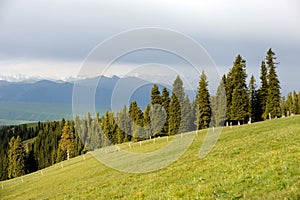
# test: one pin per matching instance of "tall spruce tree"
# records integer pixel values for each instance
(157, 113)
(240, 101)
(166, 104)
(175, 115)
(16, 158)
(254, 107)
(136, 113)
(273, 97)
(263, 91)
(176, 104)
(178, 90)
(147, 122)
(187, 116)
(203, 116)
(67, 140)
(295, 103)
(137, 117)
(219, 111)
(155, 95)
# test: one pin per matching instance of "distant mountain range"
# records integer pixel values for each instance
(36, 101)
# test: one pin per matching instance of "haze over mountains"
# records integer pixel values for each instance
(44, 100)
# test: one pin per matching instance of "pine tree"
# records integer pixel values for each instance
(124, 123)
(175, 115)
(283, 106)
(176, 104)
(219, 110)
(16, 158)
(155, 95)
(273, 97)
(66, 144)
(254, 107)
(147, 122)
(263, 91)
(158, 113)
(136, 113)
(203, 116)
(166, 104)
(177, 89)
(187, 122)
(158, 119)
(137, 118)
(289, 104)
(240, 101)
(295, 103)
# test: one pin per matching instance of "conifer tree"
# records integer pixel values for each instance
(254, 107)
(155, 95)
(219, 110)
(67, 140)
(273, 97)
(147, 122)
(136, 113)
(137, 118)
(283, 106)
(175, 113)
(178, 90)
(124, 123)
(187, 122)
(16, 158)
(295, 103)
(158, 113)
(166, 104)
(158, 119)
(263, 91)
(240, 101)
(203, 116)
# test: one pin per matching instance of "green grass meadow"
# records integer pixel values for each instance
(256, 161)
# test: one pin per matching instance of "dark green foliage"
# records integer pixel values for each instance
(124, 124)
(46, 143)
(136, 113)
(16, 158)
(147, 122)
(203, 116)
(290, 105)
(239, 105)
(295, 103)
(174, 116)
(188, 119)
(176, 104)
(220, 104)
(273, 97)
(158, 118)
(263, 91)
(155, 95)
(177, 89)
(67, 140)
(254, 103)
(166, 104)
(41, 141)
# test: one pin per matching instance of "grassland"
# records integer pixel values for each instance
(257, 161)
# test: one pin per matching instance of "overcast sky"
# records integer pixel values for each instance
(52, 38)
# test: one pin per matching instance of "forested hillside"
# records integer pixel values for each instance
(27, 148)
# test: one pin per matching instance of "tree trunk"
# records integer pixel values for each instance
(68, 154)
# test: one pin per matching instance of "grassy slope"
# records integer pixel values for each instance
(261, 160)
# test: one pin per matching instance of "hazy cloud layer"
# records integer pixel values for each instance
(47, 32)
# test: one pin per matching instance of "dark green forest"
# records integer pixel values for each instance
(30, 147)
